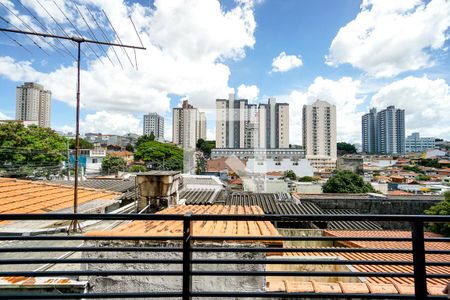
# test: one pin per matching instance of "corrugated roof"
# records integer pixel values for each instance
(199, 228)
(353, 225)
(106, 184)
(26, 197)
(199, 196)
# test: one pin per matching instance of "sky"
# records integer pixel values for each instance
(353, 54)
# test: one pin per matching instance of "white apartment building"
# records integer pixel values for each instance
(154, 123)
(201, 126)
(416, 143)
(319, 135)
(243, 125)
(33, 104)
(185, 126)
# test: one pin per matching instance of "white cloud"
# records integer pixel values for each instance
(389, 37)
(426, 103)
(284, 63)
(187, 43)
(249, 92)
(4, 116)
(111, 123)
(344, 93)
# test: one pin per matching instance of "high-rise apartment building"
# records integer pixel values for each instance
(186, 124)
(383, 132)
(33, 104)
(243, 125)
(415, 143)
(154, 123)
(201, 126)
(319, 129)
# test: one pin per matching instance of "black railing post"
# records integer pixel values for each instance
(418, 248)
(187, 256)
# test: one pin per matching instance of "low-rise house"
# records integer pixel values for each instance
(126, 155)
(28, 197)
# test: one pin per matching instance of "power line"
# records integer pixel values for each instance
(105, 37)
(7, 22)
(15, 41)
(118, 37)
(45, 28)
(91, 32)
(25, 24)
(76, 30)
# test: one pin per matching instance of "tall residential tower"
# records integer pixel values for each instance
(383, 132)
(33, 104)
(243, 125)
(154, 123)
(188, 125)
(319, 129)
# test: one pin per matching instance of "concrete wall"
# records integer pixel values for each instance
(172, 283)
(303, 232)
(379, 206)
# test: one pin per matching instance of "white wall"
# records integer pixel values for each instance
(303, 167)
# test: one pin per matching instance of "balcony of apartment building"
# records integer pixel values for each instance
(224, 251)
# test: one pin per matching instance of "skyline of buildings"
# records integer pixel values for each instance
(415, 143)
(240, 124)
(33, 104)
(383, 132)
(154, 123)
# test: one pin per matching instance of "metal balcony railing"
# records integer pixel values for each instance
(188, 244)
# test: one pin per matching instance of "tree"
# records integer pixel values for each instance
(290, 174)
(307, 179)
(423, 177)
(205, 146)
(130, 148)
(84, 144)
(441, 208)
(164, 156)
(345, 148)
(145, 138)
(137, 168)
(414, 169)
(113, 164)
(23, 150)
(344, 181)
(429, 162)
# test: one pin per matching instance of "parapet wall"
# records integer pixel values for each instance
(383, 206)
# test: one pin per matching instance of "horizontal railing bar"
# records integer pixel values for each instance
(346, 250)
(299, 295)
(90, 249)
(91, 273)
(299, 274)
(87, 238)
(199, 217)
(298, 238)
(212, 261)
(89, 295)
(303, 262)
(437, 239)
(434, 275)
(88, 261)
(437, 252)
(207, 295)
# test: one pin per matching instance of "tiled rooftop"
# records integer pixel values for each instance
(385, 244)
(292, 286)
(385, 256)
(200, 228)
(27, 197)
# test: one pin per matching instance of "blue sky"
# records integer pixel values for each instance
(349, 53)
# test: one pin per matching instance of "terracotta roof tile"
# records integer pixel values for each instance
(326, 287)
(379, 288)
(199, 228)
(353, 288)
(25, 196)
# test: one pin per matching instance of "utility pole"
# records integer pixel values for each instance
(68, 160)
